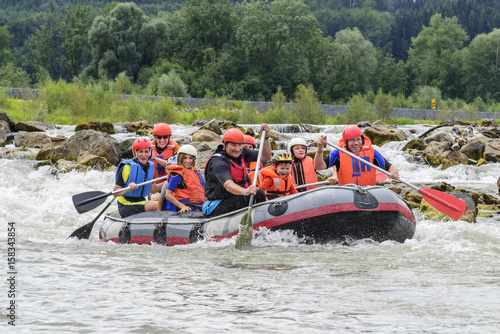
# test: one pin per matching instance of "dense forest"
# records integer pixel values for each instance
(252, 50)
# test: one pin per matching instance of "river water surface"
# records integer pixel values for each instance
(444, 280)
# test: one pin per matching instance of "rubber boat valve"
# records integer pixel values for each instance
(160, 233)
(124, 236)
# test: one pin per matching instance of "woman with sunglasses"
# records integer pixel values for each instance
(163, 147)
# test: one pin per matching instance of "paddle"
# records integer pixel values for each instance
(443, 202)
(311, 184)
(244, 238)
(84, 231)
(92, 199)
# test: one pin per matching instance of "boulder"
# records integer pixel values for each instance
(453, 158)
(490, 132)
(65, 166)
(415, 144)
(5, 126)
(32, 140)
(474, 149)
(93, 161)
(381, 134)
(96, 125)
(206, 136)
(95, 142)
(139, 127)
(434, 152)
(213, 126)
(3, 137)
(126, 148)
(498, 185)
(440, 137)
(487, 122)
(5, 118)
(33, 126)
(309, 128)
(492, 151)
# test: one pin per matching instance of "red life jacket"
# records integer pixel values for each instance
(281, 187)
(303, 172)
(353, 171)
(192, 188)
(169, 151)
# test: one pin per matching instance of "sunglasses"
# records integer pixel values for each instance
(162, 137)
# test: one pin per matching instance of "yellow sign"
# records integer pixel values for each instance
(433, 103)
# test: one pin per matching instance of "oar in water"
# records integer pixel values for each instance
(84, 231)
(92, 199)
(449, 205)
(244, 238)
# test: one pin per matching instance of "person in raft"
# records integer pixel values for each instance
(347, 169)
(276, 179)
(228, 186)
(303, 171)
(129, 173)
(185, 187)
(250, 144)
(163, 148)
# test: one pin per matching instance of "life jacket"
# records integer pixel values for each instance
(251, 172)
(169, 151)
(137, 175)
(281, 187)
(353, 171)
(190, 190)
(213, 189)
(303, 172)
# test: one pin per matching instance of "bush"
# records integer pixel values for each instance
(359, 110)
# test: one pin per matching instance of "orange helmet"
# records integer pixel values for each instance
(351, 132)
(162, 129)
(141, 143)
(250, 140)
(234, 135)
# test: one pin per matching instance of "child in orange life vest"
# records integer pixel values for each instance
(303, 171)
(276, 179)
(185, 187)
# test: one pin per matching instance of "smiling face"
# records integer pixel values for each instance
(249, 146)
(162, 141)
(355, 145)
(188, 161)
(234, 150)
(299, 151)
(143, 155)
(283, 169)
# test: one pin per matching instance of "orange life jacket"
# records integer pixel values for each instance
(192, 188)
(169, 151)
(251, 172)
(353, 171)
(281, 187)
(303, 172)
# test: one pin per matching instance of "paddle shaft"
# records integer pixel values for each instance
(257, 169)
(311, 184)
(424, 192)
(84, 231)
(88, 200)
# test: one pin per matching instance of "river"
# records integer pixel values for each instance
(444, 280)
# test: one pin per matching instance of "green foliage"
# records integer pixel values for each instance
(425, 96)
(5, 48)
(383, 105)
(14, 77)
(403, 121)
(359, 110)
(172, 85)
(248, 115)
(307, 108)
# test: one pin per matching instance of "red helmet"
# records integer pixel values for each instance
(234, 135)
(141, 143)
(162, 129)
(351, 132)
(250, 140)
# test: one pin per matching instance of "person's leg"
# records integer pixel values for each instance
(126, 210)
(151, 206)
(234, 203)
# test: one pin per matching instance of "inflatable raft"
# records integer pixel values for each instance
(320, 215)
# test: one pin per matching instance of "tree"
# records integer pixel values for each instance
(172, 85)
(307, 108)
(358, 110)
(36, 56)
(73, 31)
(481, 67)
(361, 57)
(435, 56)
(125, 40)
(383, 105)
(5, 48)
(11, 76)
